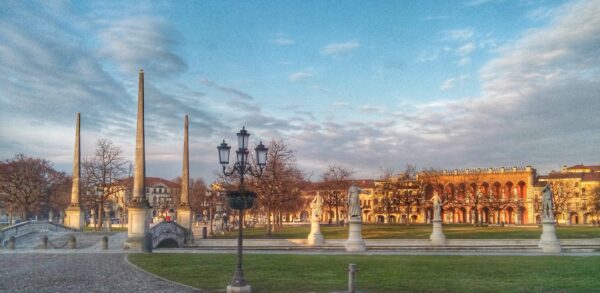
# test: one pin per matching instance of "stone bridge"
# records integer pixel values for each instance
(165, 232)
(29, 227)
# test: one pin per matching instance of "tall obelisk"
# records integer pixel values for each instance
(75, 216)
(137, 224)
(184, 213)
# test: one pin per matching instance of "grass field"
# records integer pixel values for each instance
(422, 231)
(391, 273)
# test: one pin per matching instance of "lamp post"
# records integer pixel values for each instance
(242, 198)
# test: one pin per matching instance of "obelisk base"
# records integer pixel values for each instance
(549, 242)
(137, 227)
(355, 243)
(184, 219)
(75, 218)
(437, 235)
(315, 237)
(243, 289)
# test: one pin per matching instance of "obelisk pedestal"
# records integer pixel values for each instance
(437, 236)
(75, 217)
(549, 242)
(355, 242)
(315, 237)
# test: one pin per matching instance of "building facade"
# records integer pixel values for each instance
(576, 191)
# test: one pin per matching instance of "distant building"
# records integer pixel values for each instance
(498, 195)
(576, 190)
(161, 194)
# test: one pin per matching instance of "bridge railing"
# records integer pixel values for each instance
(28, 227)
(168, 230)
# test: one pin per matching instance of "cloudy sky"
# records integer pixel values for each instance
(445, 84)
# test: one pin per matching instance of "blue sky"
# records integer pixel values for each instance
(444, 84)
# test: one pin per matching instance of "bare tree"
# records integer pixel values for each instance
(398, 192)
(30, 184)
(334, 186)
(564, 191)
(592, 201)
(278, 188)
(104, 175)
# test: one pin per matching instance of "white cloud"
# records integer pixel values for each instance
(466, 49)
(458, 34)
(339, 48)
(143, 42)
(300, 75)
(452, 82)
(282, 41)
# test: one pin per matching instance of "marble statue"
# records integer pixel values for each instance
(316, 206)
(437, 206)
(354, 201)
(547, 209)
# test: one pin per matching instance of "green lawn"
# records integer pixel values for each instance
(422, 231)
(390, 273)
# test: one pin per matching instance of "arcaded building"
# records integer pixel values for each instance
(490, 196)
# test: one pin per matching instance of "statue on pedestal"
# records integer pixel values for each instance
(316, 206)
(547, 207)
(354, 202)
(437, 206)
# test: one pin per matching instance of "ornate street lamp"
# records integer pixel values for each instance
(242, 198)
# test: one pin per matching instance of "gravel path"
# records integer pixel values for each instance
(89, 272)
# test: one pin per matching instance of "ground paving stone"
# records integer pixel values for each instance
(77, 272)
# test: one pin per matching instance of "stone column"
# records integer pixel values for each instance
(75, 217)
(184, 213)
(137, 220)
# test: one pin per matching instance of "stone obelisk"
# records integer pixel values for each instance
(75, 216)
(137, 224)
(184, 213)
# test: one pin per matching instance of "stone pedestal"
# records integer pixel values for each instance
(243, 289)
(549, 242)
(136, 228)
(355, 243)
(75, 218)
(437, 235)
(315, 237)
(184, 219)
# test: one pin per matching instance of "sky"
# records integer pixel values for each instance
(366, 85)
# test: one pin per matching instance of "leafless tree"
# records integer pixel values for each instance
(563, 191)
(278, 188)
(104, 175)
(31, 184)
(398, 192)
(335, 182)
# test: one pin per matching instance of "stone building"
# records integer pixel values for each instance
(576, 192)
(492, 195)
(162, 194)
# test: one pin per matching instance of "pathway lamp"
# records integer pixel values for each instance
(242, 198)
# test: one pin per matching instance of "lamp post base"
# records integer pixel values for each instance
(235, 289)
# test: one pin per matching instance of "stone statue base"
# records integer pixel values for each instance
(437, 235)
(355, 243)
(549, 242)
(137, 226)
(315, 237)
(184, 219)
(75, 218)
(234, 289)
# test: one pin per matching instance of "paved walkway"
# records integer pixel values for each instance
(77, 272)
